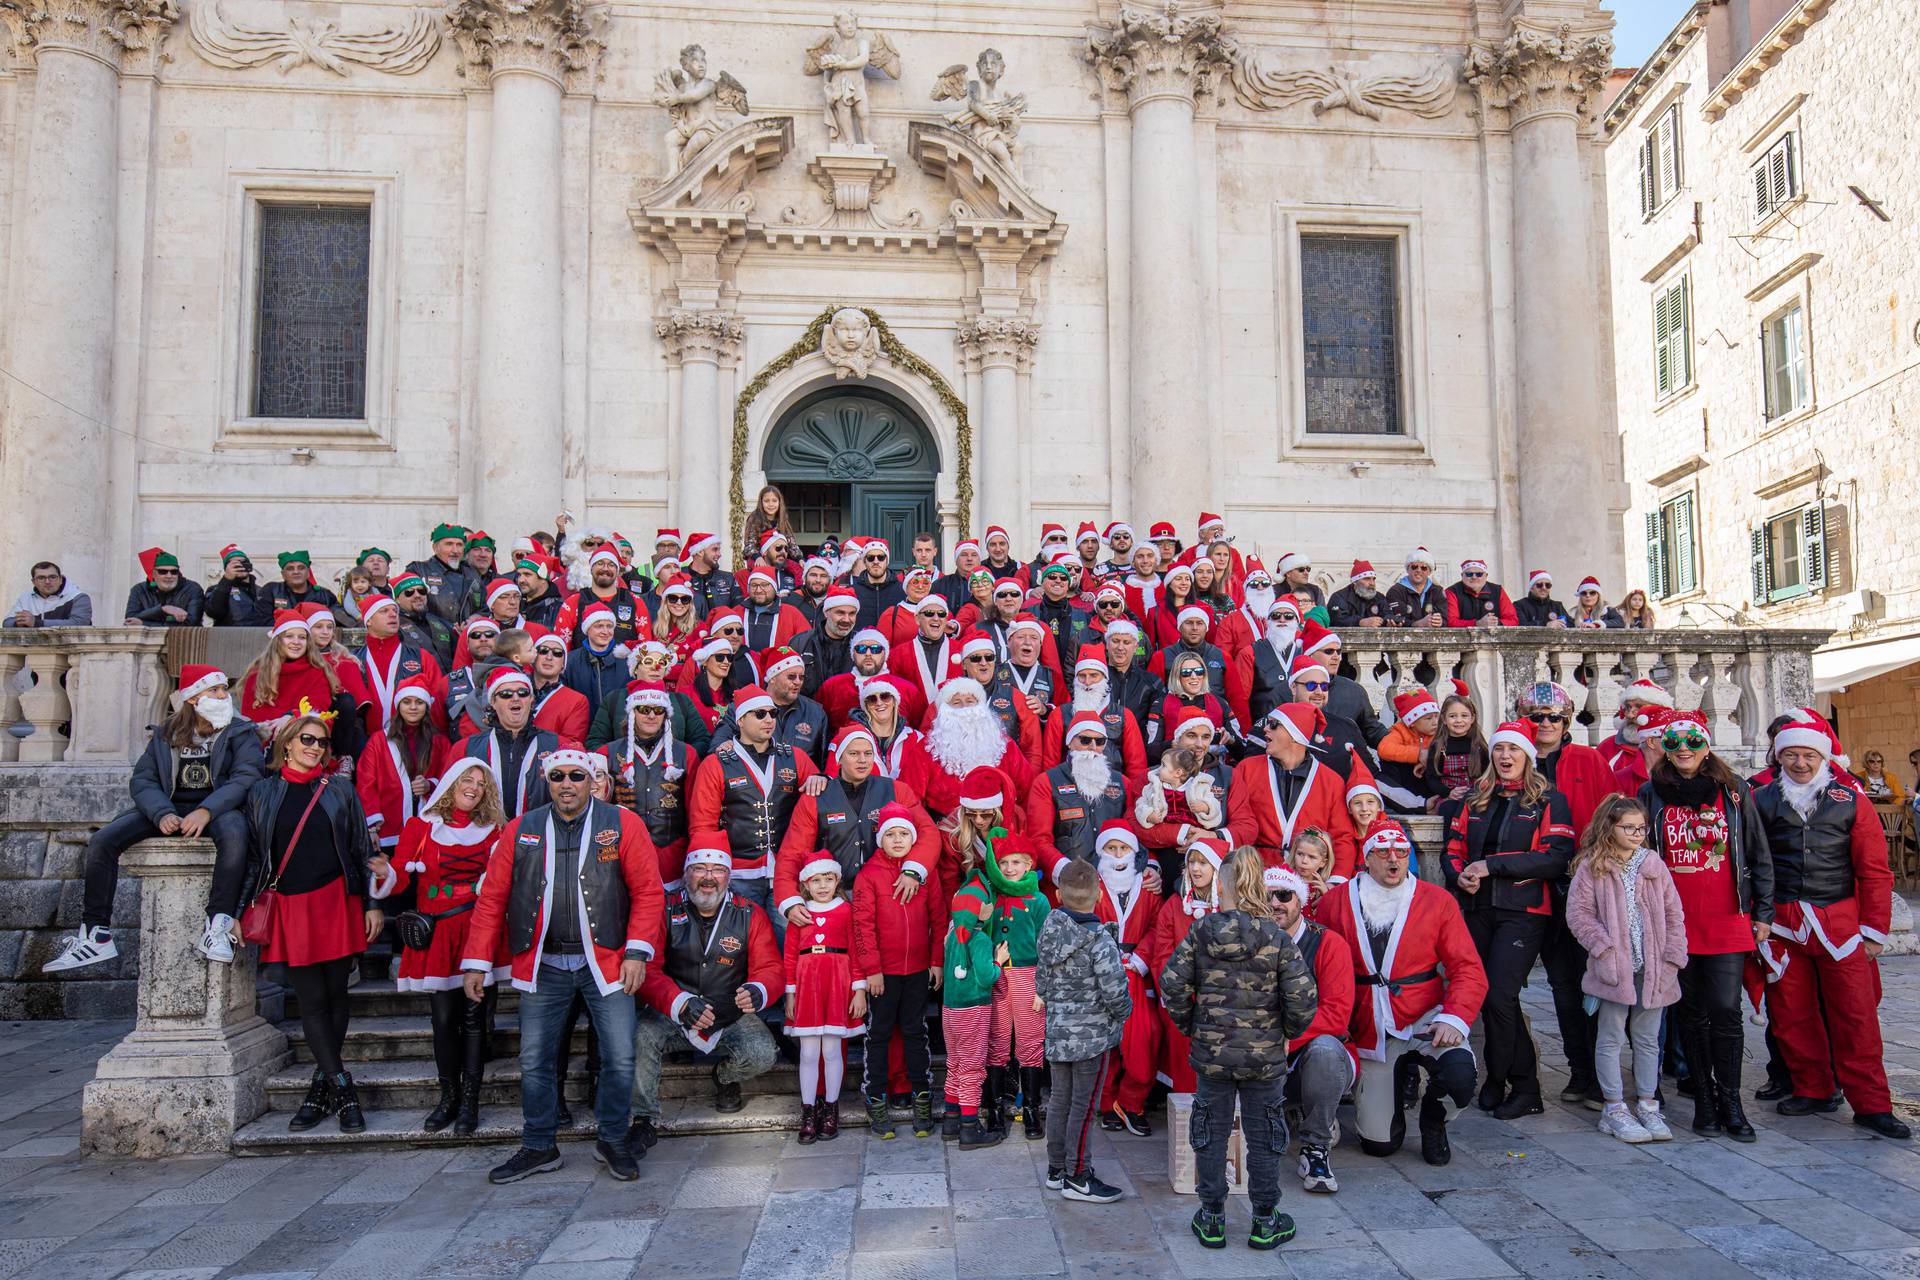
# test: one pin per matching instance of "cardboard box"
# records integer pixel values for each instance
(1180, 1153)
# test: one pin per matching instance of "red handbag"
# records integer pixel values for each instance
(256, 922)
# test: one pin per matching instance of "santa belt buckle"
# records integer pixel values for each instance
(825, 951)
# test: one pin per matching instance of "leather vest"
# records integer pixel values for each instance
(1115, 720)
(1472, 607)
(1812, 859)
(1076, 823)
(661, 804)
(1002, 697)
(1271, 687)
(1042, 687)
(755, 823)
(626, 614)
(846, 826)
(712, 964)
(601, 881)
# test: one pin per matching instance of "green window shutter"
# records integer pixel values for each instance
(1761, 570)
(1682, 557)
(1645, 165)
(1813, 547)
(1680, 319)
(1662, 359)
(1656, 557)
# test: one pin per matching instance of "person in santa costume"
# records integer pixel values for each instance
(898, 932)
(1016, 1034)
(827, 648)
(1338, 742)
(843, 821)
(925, 655)
(1186, 794)
(1093, 691)
(899, 622)
(1265, 668)
(387, 659)
(1361, 603)
(1705, 824)
(1475, 602)
(1832, 895)
(770, 622)
(511, 743)
(1130, 905)
(965, 735)
(1321, 1065)
(880, 714)
(1418, 986)
(651, 771)
(1285, 789)
(826, 1001)
(1014, 709)
(566, 712)
(868, 653)
(1177, 594)
(596, 664)
(1187, 695)
(440, 854)
(402, 763)
(1034, 665)
(572, 896)
(1196, 895)
(605, 586)
(1070, 805)
(1624, 743)
(798, 721)
(1538, 608)
(288, 674)
(1509, 846)
(708, 680)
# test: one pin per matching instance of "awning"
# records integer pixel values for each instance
(1836, 667)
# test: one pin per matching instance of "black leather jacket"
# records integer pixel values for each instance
(339, 805)
(145, 602)
(236, 759)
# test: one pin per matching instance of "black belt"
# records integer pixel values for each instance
(823, 951)
(1395, 986)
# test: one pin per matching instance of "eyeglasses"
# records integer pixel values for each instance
(1546, 717)
(1631, 828)
(1313, 686)
(310, 740)
(869, 648)
(762, 714)
(1088, 740)
(567, 775)
(1684, 740)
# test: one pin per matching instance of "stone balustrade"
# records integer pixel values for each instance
(85, 695)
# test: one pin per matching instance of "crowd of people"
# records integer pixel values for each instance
(1111, 829)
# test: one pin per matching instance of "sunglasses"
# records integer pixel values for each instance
(1546, 717)
(869, 648)
(1313, 686)
(721, 657)
(1188, 673)
(1475, 574)
(567, 775)
(166, 573)
(1088, 740)
(513, 693)
(1281, 895)
(874, 559)
(414, 591)
(978, 657)
(762, 714)
(730, 633)
(1006, 595)
(310, 740)
(1109, 604)
(933, 613)
(1688, 740)
(651, 711)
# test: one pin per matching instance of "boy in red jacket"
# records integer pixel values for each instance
(897, 947)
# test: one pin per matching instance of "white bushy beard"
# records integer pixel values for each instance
(1260, 599)
(1805, 796)
(1092, 772)
(1365, 592)
(1281, 635)
(965, 738)
(217, 712)
(1380, 907)
(1091, 698)
(1118, 876)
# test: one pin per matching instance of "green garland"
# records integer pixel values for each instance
(896, 351)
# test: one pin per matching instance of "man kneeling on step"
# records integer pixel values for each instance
(718, 969)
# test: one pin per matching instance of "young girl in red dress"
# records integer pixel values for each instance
(826, 1003)
(1126, 904)
(401, 765)
(1198, 896)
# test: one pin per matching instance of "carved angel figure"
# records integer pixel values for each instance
(694, 100)
(850, 343)
(401, 49)
(991, 121)
(843, 56)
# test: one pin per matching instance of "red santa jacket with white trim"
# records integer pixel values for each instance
(1430, 934)
(566, 713)
(1333, 976)
(1253, 812)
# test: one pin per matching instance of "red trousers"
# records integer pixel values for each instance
(1826, 1018)
(1133, 1066)
(966, 1032)
(1017, 1025)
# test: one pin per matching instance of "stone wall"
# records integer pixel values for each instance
(47, 812)
(1881, 714)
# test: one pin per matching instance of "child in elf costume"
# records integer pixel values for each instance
(1018, 1030)
(968, 977)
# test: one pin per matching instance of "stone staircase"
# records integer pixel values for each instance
(389, 1052)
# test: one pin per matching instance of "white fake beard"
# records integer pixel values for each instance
(965, 738)
(1092, 772)
(217, 712)
(1381, 906)
(1805, 796)
(1281, 634)
(1118, 877)
(1260, 599)
(1090, 698)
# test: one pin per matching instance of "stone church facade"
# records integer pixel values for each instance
(319, 275)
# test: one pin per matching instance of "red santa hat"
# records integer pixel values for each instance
(1588, 583)
(1117, 829)
(649, 693)
(1193, 611)
(595, 610)
(882, 687)
(1116, 527)
(1086, 530)
(375, 603)
(1314, 637)
(1290, 561)
(918, 571)
(499, 587)
(564, 757)
(1052, 532)
(1305, 665)
(1093, 657)
(1810, 729)
(712, 649)
(1257, 569)
(481, 625)
(1110, 589)
(1123, 627)
(977, 641)
(1648, 692)
(678, 585)
(1001, 586)
(551, 640)
(1414, 704)
(507, 677)
(1384, 833)
(891, 815)
(196, 678)
(662, 537)
(285, 620)
(982, 788)
(967, 544)
(853, 732)
(770, 539)
(1459, 687)
(1186, 715)
(1362, 785)
(314, 609)
(1697, 720)
(840, 598)
(1298, 720)
(1472, 562)
(1179, 570)
(1212, 848)
(414, 687)
(1025, 622)
(1361, 569)
(995, 531)
(750, 698)
(1162, 531)
(708, 849)
(1284, 604)
(605, 551)
(761, 573)
(1538, 578)
(1284, 880)
(698, 542)
(1517, 733)
(1419, 555)
(821, 863)
(1087, 722)
(1207, 521)
(870, 635)
(1653, 719)
(783, 659)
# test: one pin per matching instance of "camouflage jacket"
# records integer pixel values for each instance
(1240, 989)
(1084, 984)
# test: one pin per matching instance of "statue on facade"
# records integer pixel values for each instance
(990, 120)
(842, 57)
(694, 101)
(850, 343)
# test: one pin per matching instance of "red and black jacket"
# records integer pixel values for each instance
(1526, 855)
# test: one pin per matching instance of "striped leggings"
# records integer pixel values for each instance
(966, 1033)
(1016, 1024)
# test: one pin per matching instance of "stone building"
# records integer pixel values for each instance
(319, 275)
(1766, 274)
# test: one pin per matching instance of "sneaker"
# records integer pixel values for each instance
(216, 944)
(1086, 1186)
(619, 1161)
(1210, 1226)
(641, 1136)
(1647, 1112)
(524, 1164)
(1618, 1122)
(1133, 1122)
(89, 946)
(1056, 1177)
(1270, 1230)
(1316, 1171)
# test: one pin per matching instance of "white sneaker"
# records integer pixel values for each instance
(1648, 1114)
(1618, 1122)
(89, 946)
(216, 944)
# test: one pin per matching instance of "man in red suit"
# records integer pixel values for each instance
(928, 656)
(770, 622)
(843, 822)
(1321, 1065)
(1286, 790)
(965, 735)
(572, 894)
(555, 706)
(1418, 984)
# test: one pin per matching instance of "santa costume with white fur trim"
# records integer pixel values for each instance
(818, 962)
(1267, 804)
(1126, 904)
(443, 860)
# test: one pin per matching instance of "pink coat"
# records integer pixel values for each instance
(1597, 917)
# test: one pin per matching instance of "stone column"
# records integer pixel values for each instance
(1163, 59)
(61, 335)
(998, 345)
(195, 1066)
(529, 53)
(1541, 84)
(699, 341)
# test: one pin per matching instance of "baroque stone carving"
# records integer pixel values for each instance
(700, 335)
(842, 58)
(991, 121)
(850, 343)
(851, 182)
(1541, 71)
(1151, 53)
(559, 39)
(130, 35)
(1262, 82)
(401, 49)
(694, 101)
(995, 340)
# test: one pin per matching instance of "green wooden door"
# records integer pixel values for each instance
(873, 444)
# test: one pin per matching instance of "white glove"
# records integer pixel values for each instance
(1135, 963)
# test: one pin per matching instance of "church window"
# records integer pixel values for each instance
(310, 334)
(1350, 319)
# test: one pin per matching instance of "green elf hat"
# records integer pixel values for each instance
(154, 558)
(382, 552)
(295, 557)
(1058, 568)
(230, 553)
(443, 531)
(407, 582)
(481, 538)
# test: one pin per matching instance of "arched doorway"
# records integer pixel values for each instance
(855, 462)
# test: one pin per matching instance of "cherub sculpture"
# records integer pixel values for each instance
(850, 343)
(990, 120)
(842, 56)
(694, 100)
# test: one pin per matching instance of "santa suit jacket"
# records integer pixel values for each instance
(406, 661)
(1582, 775)
(625, 913)
(1128, 751)
(1408, 993)
(839, 697)
(1254, 817)
(803, 838)
(1133, 926)
(1041, 803)
(1332, 962)
(908, 660)
(1814, 908)
(565, 713)
(383, 783)
(942, 788)
(788, 622)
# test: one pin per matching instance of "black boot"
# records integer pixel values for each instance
(469, 1118)
(1030, 1103)
(351, 1118)
(316, 1106)
(1706, 1116)
(1726, 1092)
(923, 1115)
(950, 1123)
(1434, 1147)
(991, 1116)
(442, 1114)
(475, 1037)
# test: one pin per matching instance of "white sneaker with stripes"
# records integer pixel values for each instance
(89, 946)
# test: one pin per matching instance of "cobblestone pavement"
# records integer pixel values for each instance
(1547, 1197)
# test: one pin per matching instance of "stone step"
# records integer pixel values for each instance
(378, 998)
(382, 1037)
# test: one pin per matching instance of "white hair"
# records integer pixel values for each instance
(1092, 772)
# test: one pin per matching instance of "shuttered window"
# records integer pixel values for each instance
(1783, 358)
(1789, 554)
(1670, 548)
(1776, 178)
(1660, 161)
(1672, 338)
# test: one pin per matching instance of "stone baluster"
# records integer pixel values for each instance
(45, 706)
(12, 663)
(1377, 685)
(1484, 673)
(1564, 667)
(1723, 698)
(1688, 689)
(117, 685)
(1603, 698)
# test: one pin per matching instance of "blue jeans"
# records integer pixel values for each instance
(543, 1018)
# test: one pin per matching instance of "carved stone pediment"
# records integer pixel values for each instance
(982, 188)
(716, 181)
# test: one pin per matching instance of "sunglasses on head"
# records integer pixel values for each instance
(1683, 740)
(1546, 717)
(567, 775)
(1313, 686)
(310, 740)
